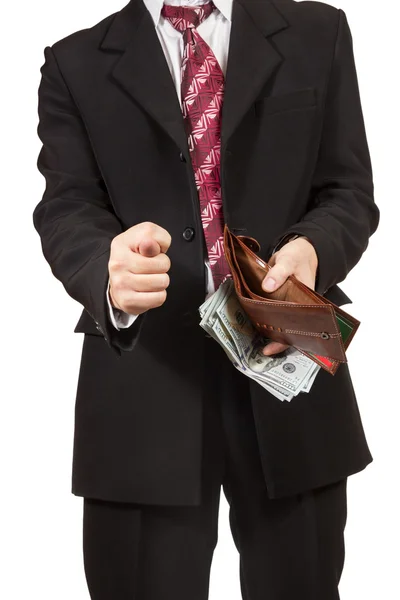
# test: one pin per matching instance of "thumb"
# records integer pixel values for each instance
(276, 276)
(149, 247)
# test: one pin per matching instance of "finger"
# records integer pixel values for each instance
(278, 274)
(274, 348)
(143, 232)
(148, 283)
(149, 247)
(130, 282)
(145, 265)
(138, 302)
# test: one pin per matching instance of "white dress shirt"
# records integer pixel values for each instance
(215, 31)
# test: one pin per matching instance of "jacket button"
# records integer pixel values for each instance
(182, 157)
(188, 234)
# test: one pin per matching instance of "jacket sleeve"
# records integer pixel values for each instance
(343, 214)
(75, 218)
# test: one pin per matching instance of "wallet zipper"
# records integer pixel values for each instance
(323, 334)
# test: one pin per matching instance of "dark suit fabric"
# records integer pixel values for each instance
(294, 158)
(289, 548)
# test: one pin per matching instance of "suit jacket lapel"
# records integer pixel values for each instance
(252, 58)
(142, 71)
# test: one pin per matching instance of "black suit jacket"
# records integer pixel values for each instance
(294, 159)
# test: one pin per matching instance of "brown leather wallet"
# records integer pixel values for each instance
(293, 314)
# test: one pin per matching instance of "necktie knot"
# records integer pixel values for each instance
(187, 17)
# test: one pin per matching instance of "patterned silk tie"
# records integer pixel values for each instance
(202, 92)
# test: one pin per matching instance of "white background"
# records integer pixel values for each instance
(40, 519)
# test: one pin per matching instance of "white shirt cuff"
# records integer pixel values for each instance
(118, 318)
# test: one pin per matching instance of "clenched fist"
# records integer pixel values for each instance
(138, 268)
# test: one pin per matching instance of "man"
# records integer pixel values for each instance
(154, 136)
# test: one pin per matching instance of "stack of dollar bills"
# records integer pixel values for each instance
(284, 375)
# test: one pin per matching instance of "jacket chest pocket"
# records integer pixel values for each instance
(292, 101)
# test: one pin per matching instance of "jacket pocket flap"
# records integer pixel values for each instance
(290, 101)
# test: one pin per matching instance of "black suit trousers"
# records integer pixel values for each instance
(290, 548)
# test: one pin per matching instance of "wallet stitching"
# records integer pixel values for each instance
(328, 307)
(324, 306)
(292, 305)
(332, 335)
(335, 324)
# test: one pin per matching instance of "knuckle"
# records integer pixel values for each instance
(284, 268)
(160, 282)
(115, 243)
(165, 280)
(115, 264)
(119, 282)
(148, 228)
(165, 263)
(160, 298)
(168, 239)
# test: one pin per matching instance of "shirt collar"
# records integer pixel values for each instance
(154, 7)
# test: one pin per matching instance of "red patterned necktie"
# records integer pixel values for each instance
(202, 92)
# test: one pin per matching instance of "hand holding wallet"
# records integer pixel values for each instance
(293, 314)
